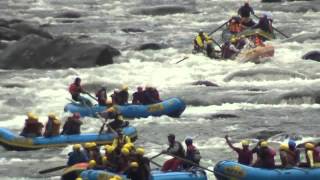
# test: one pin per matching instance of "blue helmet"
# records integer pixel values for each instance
(188, 141)
(292, 143)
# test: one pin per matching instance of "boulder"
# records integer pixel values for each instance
(312, 55)
(69, 14)
(34, 51)
(162, 10)
(151, 46)
(206, 83)
(25, 29)
(134, 30)
(9, 34)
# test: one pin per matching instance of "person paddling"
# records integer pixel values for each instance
(245, 155)
(76, 89)
(175, 148)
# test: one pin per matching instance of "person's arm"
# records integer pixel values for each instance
(310, 157)
(251, 10)
(233, 48)
(229, 143)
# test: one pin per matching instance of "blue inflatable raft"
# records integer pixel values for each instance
(10, 141)
(155, 175)
(230, 170)
(173, 107)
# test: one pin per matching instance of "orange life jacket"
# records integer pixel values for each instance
(234, 27)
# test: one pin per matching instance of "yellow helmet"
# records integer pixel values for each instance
(140, 151)
(125, 151)
(109, 149)
(264, 144)
(210, 41)
(104, 159)
(56, 121)
(92, 163)
(245, 143)
(129, 146)
(116, 177)
(52, 115)
(87, 145)
(284, 147)
(309, 146)
(134, 165)
(93, 144)
(125, 87)
(76, 147)
(233, 40)
(32, 116)
(79, 178)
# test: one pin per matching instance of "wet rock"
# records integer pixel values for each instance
(152, 46)
(265, 134)
(134, 30)
(9, 34)
(69, 14)
(217, 116)
(206, 83)
(26, 29)
(312, 55)
(4, 23)
(270, 1)
(37, 52)
(162, 10)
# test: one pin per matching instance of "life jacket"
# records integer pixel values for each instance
(52, 128)
(33, 128)
(199, 40)
(74, 89)
(258, 41)
(179, 152)
(234, 27)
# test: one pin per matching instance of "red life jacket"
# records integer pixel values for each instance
(74, 89)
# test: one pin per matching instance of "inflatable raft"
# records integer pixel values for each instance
(230, 170)
(257, 55)
(11, 141)
(227, 35)
(173, 107)
(155, 175)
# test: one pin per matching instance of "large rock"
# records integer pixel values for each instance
(205, 83)
(26, 29)
(69, 14)
(37, 52)
(151, 46)
(9, 34)
(312, 55)
(162, 10)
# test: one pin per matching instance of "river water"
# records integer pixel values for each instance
(273, 99)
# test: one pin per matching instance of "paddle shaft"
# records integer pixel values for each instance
(52, 169)
(182, 60)
(275, 29)
(190, 162)
(91, 96)
(155, 163)
(218, 28)
(156, 156)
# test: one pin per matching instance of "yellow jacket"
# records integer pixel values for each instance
(200, 41)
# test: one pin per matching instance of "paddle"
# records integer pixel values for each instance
(91, 96)
(155, 163)
(217, 28)
(275, 29)
(156, 156)
(190, 162)
(182, 60)
(52, 169)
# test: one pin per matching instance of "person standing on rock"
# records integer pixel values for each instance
(76, 89)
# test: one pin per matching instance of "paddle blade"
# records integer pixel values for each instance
(52, 169)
